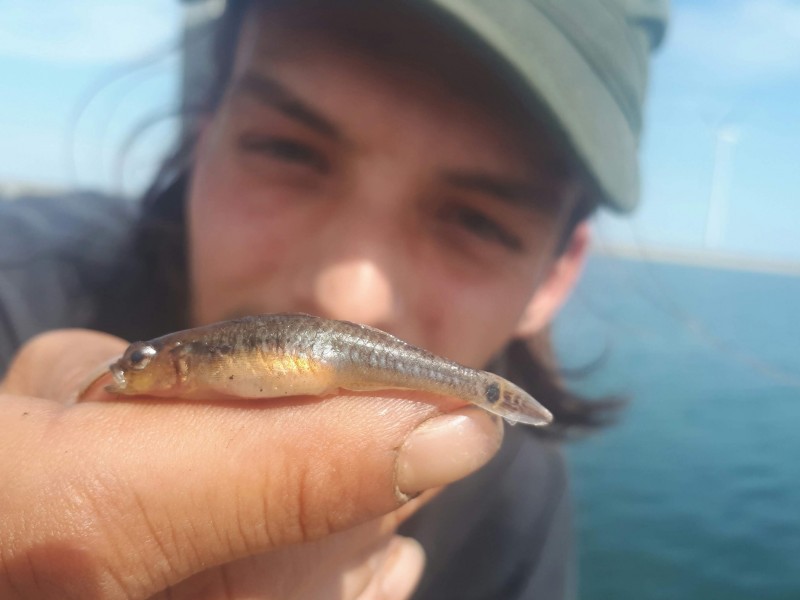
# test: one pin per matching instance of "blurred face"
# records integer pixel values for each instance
(362, 186)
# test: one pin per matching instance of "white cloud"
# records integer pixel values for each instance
(87, 31)
(739, 41)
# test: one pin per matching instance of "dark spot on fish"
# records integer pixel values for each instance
(492, 393)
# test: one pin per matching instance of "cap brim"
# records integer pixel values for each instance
(537, 53)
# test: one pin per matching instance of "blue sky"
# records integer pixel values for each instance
(723, 123)
(76, 80)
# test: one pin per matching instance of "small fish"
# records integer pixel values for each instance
(268, 356)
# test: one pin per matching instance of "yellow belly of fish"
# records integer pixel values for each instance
(271, 376)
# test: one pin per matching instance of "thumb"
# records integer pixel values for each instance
(147, 493)
(57, 364)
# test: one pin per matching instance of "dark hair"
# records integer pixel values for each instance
(159, 248)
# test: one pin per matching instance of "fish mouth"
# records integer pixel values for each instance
(119, 385)
(537, 416)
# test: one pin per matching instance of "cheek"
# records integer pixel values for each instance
(233, 247)
(472, 319)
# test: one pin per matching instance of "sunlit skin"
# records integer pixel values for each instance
(336, 184)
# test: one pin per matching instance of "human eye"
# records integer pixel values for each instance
(285, 150)
(479, 225)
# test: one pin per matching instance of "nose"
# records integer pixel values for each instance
(355, 288)
(351, 269)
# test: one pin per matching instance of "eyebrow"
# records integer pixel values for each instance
(273, 93)
(508, 191)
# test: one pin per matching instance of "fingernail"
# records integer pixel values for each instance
(447, 448)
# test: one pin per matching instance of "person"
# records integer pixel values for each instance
(424, 167)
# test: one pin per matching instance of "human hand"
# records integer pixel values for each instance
(289, 498)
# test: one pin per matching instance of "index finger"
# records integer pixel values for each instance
(155, 491)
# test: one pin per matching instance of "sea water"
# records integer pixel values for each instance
(695, 493)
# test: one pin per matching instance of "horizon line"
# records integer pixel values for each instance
(698, 258)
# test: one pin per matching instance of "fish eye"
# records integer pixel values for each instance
(140, 356)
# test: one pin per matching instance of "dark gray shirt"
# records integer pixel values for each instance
(503, 533)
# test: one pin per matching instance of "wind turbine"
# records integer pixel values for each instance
(727, 136)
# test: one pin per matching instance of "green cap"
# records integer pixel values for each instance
(582, 66)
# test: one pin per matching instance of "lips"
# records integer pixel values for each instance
(118, 373)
